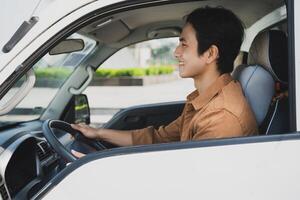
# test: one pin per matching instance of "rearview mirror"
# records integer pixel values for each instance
(67, 46)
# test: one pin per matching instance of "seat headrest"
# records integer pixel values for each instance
(269, 49)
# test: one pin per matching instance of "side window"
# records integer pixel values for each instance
(143, 73)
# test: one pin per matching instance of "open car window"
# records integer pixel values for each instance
(140, 74)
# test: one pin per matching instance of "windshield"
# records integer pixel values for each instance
(51, 72)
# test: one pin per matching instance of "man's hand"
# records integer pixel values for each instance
(117, 137)
(77, 154)
(86, 130)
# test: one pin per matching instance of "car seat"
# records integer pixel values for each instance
(264, 81)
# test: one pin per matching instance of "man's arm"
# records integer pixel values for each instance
(147, 135)
(163, 134)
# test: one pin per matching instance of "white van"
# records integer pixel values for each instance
(35, 158)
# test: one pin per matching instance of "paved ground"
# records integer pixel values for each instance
(124, 96)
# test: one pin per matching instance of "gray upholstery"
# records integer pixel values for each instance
(277, 120)
(258, 86)
(269, 49)
(267, 64)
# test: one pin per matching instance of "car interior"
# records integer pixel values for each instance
(33, 152)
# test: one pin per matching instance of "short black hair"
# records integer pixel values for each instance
(220, 27)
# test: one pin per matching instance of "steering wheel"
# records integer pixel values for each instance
(49, 134)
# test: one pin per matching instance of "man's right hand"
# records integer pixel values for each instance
(87, 131)
(117, 137)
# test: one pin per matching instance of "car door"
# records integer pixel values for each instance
(261, 167)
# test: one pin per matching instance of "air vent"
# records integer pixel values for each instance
(4, 193)
(43, 150)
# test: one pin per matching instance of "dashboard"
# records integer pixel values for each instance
(27, 163)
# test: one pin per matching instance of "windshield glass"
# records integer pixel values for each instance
(51, 72)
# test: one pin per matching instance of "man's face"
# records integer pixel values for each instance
(190, 63)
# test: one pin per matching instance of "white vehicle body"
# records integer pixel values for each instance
(262, 167)
(230, 172)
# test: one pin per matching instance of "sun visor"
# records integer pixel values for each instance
(111, 32)
(164, 32)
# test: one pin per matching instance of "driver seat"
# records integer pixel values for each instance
(267, 59)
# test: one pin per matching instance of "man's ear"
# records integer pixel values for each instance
(212, 54)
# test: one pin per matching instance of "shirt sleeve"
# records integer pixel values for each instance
(217, 124)
(163, 134)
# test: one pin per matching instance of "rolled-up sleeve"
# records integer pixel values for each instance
(163, 134)
(217, 124)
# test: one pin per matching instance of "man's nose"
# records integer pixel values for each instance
(177, 52)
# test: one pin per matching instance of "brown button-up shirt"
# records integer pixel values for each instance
(219, 112)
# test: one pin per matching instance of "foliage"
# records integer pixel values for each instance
(119, 72)
(59, 72)
(52, 72)
(134, 72)
(154, 70)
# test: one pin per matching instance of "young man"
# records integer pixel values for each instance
(209, 43)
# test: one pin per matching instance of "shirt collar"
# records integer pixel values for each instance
(198, 101)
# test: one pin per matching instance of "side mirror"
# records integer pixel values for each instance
(81, 109)
(78, 110)
(67, 46)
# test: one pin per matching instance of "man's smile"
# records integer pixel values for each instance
(181, 63)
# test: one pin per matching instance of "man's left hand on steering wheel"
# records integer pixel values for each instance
(82, 142)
